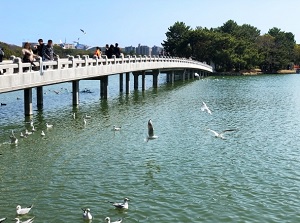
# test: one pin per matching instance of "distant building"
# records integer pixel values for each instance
(156, 50)
(143, 50)
(130, 50)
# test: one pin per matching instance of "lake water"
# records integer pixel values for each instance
(186, 175)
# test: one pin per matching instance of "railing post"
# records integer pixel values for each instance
(20, 64)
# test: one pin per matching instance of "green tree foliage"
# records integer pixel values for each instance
(178, 40)
(233, 47)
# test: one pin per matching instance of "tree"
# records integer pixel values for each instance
(177, 40)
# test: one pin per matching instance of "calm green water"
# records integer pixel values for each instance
(186, 175)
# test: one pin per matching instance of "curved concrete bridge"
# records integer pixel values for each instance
(15, 75)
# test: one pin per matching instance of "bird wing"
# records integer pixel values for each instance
(213, 132)
(150, 128)
(227, 130)
(118, 205)
(2, 220)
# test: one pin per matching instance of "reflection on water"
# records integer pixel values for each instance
(185, 175)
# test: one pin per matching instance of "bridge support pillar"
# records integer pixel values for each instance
(39, 97)
(155, 78)
(28, 101)
(75, 89)
(143, 81)
(127, 83)
(188, 74)
(135, 81)
(172, 77)
(104, 87)
(183, 75)
(121, 82)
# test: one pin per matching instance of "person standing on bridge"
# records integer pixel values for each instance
(39, 48)
(117, 50)
(1, 54)
(48, 52)
(97, 52)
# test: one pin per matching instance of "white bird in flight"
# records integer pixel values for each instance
(107, 219)
(87, 214)
(21, 211)
(122, 205)
(220, 135)
(2, 220)
(27, 221)
(205, 108)
(13, 138)
(151, 131)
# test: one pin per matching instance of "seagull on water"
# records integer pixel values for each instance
(151, 131)
(107, 219)
(22, 135)
(27, 133)
(116, 128)
(48, 125)
(220, 135)
(88, 116)
(205, 108)
(122, 205)
(87, 214)
(21, 211)
(2, 220)
(27, 221)
(13, 138)
(33, 129)
(42, 133)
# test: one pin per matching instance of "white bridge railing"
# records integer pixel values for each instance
(15, 75)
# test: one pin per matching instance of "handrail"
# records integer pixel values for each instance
(15, 65)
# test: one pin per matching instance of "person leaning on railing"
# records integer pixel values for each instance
(28, 55)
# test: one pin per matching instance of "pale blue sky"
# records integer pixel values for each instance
(130, 22)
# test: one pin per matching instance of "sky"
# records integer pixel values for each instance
(133, 22)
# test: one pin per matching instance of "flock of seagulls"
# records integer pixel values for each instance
(121, 206)
(220, 135)
(21, 211)
(14, 139)
(86, 213)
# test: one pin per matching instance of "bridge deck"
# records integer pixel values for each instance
(15, 75)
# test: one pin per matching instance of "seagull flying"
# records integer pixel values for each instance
(220, 135)
(21, 211)
(27, 133)
(27, 221)
(151, 131)
(83, 31)
(13, 138)
(205, 108)
(122, 205)
(87, 214)
(2, 220)
(107, 219)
